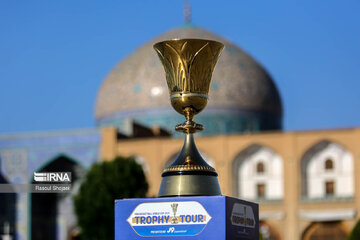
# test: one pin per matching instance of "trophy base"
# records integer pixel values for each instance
(189, 185)
(196, 217)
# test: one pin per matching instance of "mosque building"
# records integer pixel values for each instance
(307, 183)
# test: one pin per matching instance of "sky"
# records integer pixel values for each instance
(54, 55)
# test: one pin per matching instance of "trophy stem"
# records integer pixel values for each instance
(189, 126)
(189, 175)
(188, 156)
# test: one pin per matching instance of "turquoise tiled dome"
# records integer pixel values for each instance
(243, 96)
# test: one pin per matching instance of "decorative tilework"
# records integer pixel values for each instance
(238, 82)
(216, 121)
(137, 88)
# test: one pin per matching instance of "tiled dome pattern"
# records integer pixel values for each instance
(138, 82)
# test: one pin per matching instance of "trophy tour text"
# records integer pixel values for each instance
(169, 219)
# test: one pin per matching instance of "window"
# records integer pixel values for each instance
(260, 188)
(329, 188)
(329, 164)
(260, 168)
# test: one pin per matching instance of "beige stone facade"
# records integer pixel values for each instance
(291, 217)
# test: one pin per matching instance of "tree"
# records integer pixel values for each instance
(105, 182)
(355, 233)
(260, 236)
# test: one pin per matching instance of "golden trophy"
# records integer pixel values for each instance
(189, 64)
(174, 208)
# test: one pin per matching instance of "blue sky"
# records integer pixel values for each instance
(55, 54)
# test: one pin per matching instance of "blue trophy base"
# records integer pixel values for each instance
(201, 217)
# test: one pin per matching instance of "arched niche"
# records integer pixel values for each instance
(205, 156)
(325, 231)
(327, 171)
(52, 213)
(258, 174)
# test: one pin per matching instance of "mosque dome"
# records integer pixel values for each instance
(242, 95)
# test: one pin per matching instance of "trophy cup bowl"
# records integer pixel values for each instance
(188, 65)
